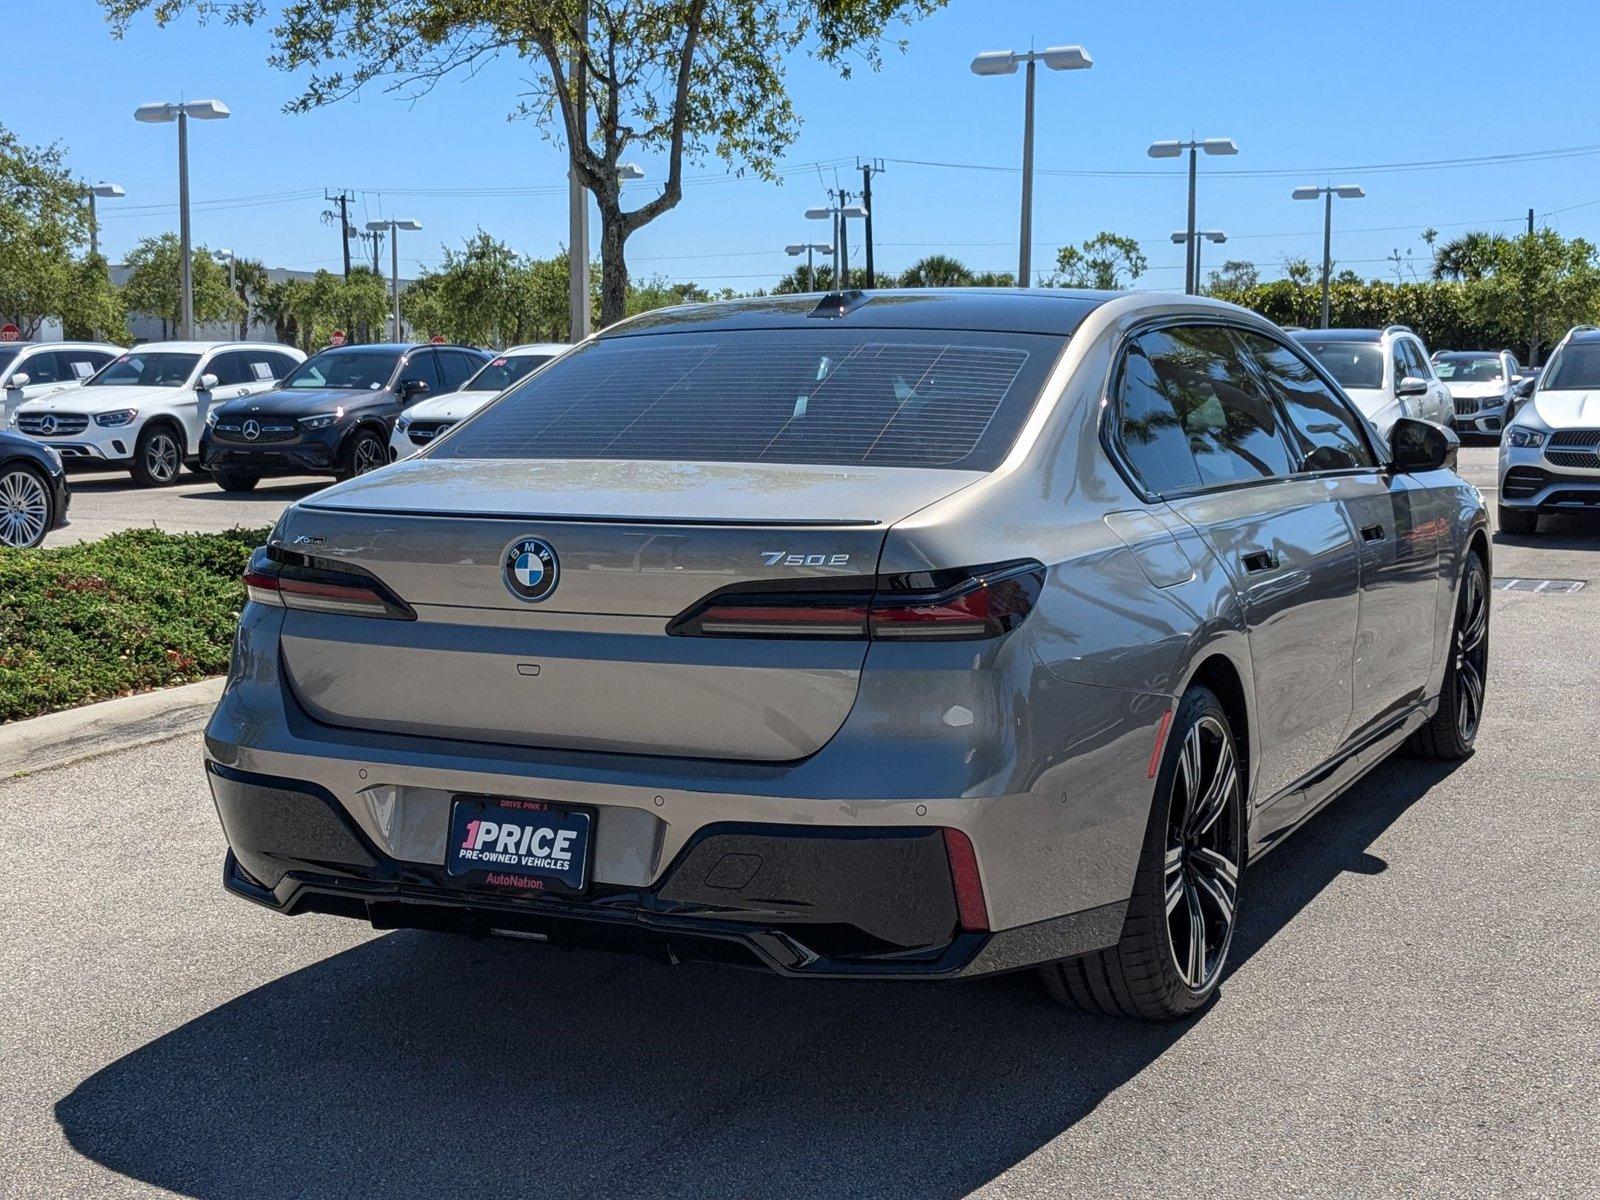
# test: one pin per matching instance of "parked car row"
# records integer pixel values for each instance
(239, 411)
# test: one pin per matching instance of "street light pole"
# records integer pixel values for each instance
(109, 191)
(161, 113)
(1345, 191)
(1173, 149)
(1004, 62)
(1194, 241)
(836, 214)
(807, 249)
(393, 227)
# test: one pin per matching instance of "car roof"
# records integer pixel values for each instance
(402, 347)
(1340, 335)
(534, 348)
(202, 347)
(1460, 354)
(997, 310)
(1584, 335)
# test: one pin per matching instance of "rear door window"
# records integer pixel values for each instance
(1327, 433)
(457, 368)
(423, 366)
(1150, 431)
(914, 398)
(1231, 425)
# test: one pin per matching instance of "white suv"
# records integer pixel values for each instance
(146, 409)
(1481, 383)
(29, 370)
(1385, 372)
(1550, 454)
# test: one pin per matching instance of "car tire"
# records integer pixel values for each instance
(27, 509)
(157, 455)
(364, 452)
(1450, 734)
(235, 481)
(1518, 522)
(1189, 869)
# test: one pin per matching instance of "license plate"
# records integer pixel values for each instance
(519, 844)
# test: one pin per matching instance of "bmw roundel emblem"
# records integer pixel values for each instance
(530, 569)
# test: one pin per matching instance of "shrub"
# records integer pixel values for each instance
(136, 610)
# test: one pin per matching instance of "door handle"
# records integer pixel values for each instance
(1372, 533)
(1260, 560)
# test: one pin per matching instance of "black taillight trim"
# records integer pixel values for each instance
(868, 607)
(290, 579)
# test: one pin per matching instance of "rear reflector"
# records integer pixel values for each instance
(971, 911)
(959, 605)
(289, 580)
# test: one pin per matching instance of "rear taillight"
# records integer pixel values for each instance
(959, 605)
(291, 580)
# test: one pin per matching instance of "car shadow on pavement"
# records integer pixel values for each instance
(427, 1065)
(287, 490)
(1560, 531)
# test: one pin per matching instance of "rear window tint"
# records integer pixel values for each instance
(825, 397)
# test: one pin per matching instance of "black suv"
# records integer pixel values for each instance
(332, 415)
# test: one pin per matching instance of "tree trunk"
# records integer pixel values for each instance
(613, 266)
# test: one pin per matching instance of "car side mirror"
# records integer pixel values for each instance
(1411, 385)
(1416, 445)
(19, 380)
(410, 389)
(206, 382)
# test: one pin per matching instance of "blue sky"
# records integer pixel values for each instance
(1308, 89)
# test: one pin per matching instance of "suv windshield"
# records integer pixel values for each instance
(500, 373)
(834, 397)
(1353, 364)
(160, 368)
(1483, 369)
(1578, 367)
(348, 370)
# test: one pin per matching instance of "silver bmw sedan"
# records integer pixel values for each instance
(898, 634)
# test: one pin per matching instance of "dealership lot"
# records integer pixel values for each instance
(107, 501)
(1410, 1009)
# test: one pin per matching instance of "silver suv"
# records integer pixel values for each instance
(1386, 373)
(916, 634)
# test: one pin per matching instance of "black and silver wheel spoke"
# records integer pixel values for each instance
(1472, 654)
(24, 509)
(1200, 873)
(162, 457)
(369, 456)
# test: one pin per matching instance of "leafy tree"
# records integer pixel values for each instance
(854, 277)
(994, 279)
(1298, 271)
(155, 288)
(937, 270)
(677, 78)
(660, 292)
(277, 303)
(1108, 261)
(43, 217)
(250, 281)
(92, 307)
(487, 294)
(1536, 287)
(1233, 276)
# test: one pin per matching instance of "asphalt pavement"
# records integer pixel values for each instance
(108, 501)
(1411, 1010)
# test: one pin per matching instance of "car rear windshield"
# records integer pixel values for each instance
(162, 368)
(1578, 367)
(1353, 364)
(349, 370)
(1470, 370)
(834, 397)
(500, 373)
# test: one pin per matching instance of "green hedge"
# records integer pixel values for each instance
(134, 611)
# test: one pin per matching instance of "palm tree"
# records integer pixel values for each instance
(1470, 256)
(937, 270)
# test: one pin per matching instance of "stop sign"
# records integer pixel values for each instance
(437, 339)
(9, 333)
(337, 339)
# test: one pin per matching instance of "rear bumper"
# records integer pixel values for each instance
(797, 900)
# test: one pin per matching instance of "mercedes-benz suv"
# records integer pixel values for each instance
(1550, 453)
(916, 634)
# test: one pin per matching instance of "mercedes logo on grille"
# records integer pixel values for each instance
(47, 425)
(252, 429)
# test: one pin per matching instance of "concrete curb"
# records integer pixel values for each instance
(56, 739)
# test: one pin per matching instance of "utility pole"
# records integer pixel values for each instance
(1530, 222)
(868, 170)
(842, 282)
(343, 200)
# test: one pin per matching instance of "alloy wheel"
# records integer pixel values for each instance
(1201, 875)
(161, 457)
(1472, 653)
(369, 455)
(24, 508)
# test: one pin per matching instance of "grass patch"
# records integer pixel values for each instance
(137, 610)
